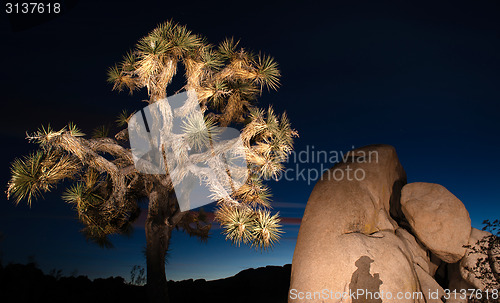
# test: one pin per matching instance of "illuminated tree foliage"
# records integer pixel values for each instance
(106, 189)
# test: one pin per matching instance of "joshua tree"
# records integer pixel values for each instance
(106, 186)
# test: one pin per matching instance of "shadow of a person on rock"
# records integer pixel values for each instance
(365, 285)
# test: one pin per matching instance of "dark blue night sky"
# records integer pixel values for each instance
(423, 77)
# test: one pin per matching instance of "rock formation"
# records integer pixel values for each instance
(438, 219)
(378, 239)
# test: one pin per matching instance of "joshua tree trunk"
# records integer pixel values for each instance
(158, 232)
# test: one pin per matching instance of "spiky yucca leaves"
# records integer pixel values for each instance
(199, 131)
(228, 48)
(155, 66)
(74, 130)
(196, 224)
(84, 195)
(227, 80)
(105, 198)
(44, 135)
(254, 192)
(123, 118)
(269, 138)
(215, 93)
(243, 76)
(122, 79)
(227, 77)
(88, 196)
(100, 131)
(256, 227)
(267, 72)
(178, 39)
(153, 62)
(39, 172)
(266, 229)
(236, 222)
